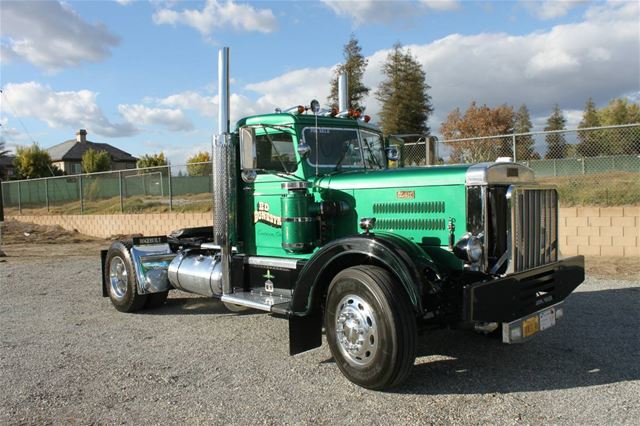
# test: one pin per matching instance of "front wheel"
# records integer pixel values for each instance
(370, 327)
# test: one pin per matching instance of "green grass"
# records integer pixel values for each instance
(607, 189)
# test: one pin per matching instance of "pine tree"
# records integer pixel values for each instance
(590, 142)
(556, 143)
(354, 65)
(406, 104)
(524, 143)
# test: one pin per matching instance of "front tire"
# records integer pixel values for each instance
(370, 327)
(121, 280)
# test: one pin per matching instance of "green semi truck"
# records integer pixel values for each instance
(311, 225)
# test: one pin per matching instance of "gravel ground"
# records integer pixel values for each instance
(66, 356)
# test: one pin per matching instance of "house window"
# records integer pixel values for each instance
(76, 168)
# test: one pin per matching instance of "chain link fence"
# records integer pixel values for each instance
(592, 166)
(596, 166)
(148, 190)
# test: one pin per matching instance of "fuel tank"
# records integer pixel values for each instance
(197, 273)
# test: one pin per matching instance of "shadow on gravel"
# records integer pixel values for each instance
(195, 306)
(598, 342)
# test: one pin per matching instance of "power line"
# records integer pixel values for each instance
(14, 114)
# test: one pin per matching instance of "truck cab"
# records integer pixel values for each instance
(311, 225)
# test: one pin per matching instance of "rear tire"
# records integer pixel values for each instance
(371, 327)
(121, 279)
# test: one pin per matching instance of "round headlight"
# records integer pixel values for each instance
(474, 249)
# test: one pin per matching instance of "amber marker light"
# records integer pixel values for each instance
(300, 109)
(367, 118)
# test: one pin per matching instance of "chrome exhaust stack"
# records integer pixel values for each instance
(224, 189)
(343, 92)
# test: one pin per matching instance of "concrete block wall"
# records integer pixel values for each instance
(122, 224)
(591, 231)
(600, 231)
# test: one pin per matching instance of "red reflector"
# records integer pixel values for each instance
(367, 118)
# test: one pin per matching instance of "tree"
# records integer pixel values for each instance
(154, 160)
(33, 162)
(556, 143)
(194, 169)
(478, 122)
(524, 143)
(620, 141)
(354, 65)
(96, 161)
(590, 142)
(406, 104)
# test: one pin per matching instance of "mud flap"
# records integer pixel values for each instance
(103, 260)
(305, 333)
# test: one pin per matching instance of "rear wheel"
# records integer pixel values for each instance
(121, 280)
(371, 327)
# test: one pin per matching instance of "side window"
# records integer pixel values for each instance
(277, 154)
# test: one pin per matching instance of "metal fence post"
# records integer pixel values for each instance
(120, 191)
(80, 195)
(170, 191)
(514, 148)
(46, 193)
(19, 199)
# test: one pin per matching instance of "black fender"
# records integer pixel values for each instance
(103, 261)
(402, 257)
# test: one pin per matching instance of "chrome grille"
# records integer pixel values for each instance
(534, 225)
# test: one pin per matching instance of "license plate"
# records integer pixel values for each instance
(547, 319)
(530, 326)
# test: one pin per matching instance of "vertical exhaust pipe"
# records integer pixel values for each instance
(224, 181)
(343, 92)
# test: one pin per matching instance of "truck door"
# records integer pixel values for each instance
(276, 163)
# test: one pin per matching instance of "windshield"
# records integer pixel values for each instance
(341, 148)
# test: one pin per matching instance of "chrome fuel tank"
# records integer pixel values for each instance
(197, 273)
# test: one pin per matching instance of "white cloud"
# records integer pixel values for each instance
(74, 109)
(566, 65)
(368, 11)
(124, 2)
(173, 120)
(51, 35)
(551, 9)
(293, 88)
(217, 15)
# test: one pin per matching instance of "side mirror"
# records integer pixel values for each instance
(393, 154)
(304, 150)
(248, 158)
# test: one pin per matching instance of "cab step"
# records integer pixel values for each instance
(262, 301)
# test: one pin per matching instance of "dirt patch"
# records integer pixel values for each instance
(627, 268)
(14, 232)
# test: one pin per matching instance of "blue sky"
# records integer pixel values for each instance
(141, 74)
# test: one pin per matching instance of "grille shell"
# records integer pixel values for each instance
(533, 229)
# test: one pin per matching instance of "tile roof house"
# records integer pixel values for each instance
(68, 155)
(7, 170)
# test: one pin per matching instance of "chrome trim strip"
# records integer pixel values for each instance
(276, 262)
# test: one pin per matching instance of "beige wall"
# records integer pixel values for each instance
(600, 231)
(107, 225)
(592, 231)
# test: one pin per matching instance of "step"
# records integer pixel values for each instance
(261, 301)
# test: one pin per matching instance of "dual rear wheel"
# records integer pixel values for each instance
(121, 281)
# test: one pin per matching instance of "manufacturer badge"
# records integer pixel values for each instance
(406, 195)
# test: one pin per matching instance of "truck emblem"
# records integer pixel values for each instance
(406, 194)
(268, 284)
(262, 215)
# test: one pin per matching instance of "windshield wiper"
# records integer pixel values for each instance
(345, 149)
(371, 156)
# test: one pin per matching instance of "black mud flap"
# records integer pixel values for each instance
(103, 259)
(520, 294)
(305, 333)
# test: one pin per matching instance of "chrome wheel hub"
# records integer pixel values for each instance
(118, 278)
(356, 330)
